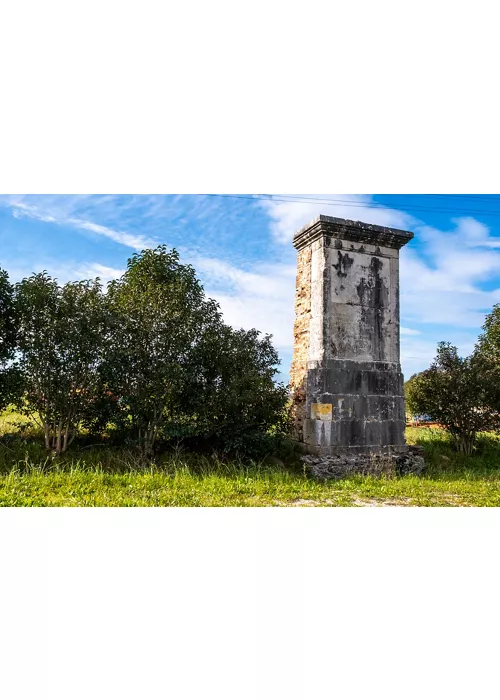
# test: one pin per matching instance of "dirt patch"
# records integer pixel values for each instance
(422, 424)
(374, 503)
(363, 502)
(304, 503)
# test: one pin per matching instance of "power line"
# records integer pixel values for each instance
(495, 199)
(481, 198)
(359, 205)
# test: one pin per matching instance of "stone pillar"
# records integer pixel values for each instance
(346, 379)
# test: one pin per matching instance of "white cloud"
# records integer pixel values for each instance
(441, 296)
(441, 282)
(474, 233)
(289, 217)
(60, 210)
(261, 298)
(444, 282)
(137, 242)
(417, 353)
(20, 211)
(93, 270)
(66, 272)
(447, 277)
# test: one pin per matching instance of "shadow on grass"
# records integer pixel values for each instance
(22, 450)
(27, 454)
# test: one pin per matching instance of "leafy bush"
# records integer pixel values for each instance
(9, 384)
(61, 335)
(150, 361)
(487, 352)
(179, 372)
(235, 404)
(455, 392)
(158, 314)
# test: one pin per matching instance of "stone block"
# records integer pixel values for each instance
(346, 378)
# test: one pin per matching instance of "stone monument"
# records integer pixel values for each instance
(346, 380)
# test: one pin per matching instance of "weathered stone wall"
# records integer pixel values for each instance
(362, 303)
(298, 372)
(346, 377)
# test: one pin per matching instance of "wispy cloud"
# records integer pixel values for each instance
(50, 212)
(251, 294)
(261, 297)
(289, 217)
(20, 211)
(67, 272)
(93, 270)
(137, 242)
(449, 278)
(445, 281)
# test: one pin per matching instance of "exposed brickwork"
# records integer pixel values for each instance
(298, 370)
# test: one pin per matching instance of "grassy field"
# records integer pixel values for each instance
(94, 476)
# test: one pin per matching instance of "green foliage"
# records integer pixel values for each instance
(147, 363)
(487, 353)
(488, 345)
(110, 477)
(158, 315)
(9, 384)
(455, 392)
(179, 372)
(413, 398)
(61, 336)
(235, 404)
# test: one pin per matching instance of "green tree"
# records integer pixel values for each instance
(488, 346)
(454, 392)
(487, 353)
(8, 331)
(61, 336)
(411, 389)
(232, 398)
(159, 314)
(178, 371)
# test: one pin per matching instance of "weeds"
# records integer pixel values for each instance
(99, 475)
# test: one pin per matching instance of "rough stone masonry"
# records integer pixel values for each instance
(346, 379)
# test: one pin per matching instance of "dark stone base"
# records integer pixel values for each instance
(411, 461)
(363, 408)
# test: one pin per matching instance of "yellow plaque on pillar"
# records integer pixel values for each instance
(321, 411)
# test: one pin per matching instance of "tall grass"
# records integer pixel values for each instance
(110, 476)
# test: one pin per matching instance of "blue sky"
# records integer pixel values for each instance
(242, 250)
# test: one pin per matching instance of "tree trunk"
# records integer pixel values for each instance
(73, 436)
(148, 444)
(465, 443)
(65, 439)
(148, 441)
(47, 436)
(59, 437)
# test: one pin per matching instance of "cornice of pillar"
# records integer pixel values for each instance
(346, 230)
